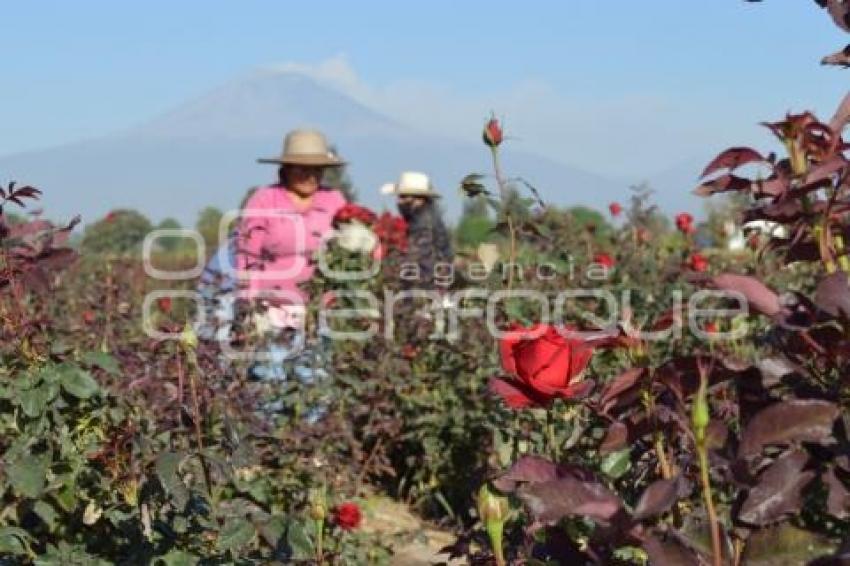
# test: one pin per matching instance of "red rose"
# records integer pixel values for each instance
(111, 217)
(392, 232)
(754, 241)
(711, 327)
(409, 351)
(164, 304)
(604, 259)
(347, 516)
(88, 317)
(492, 134)
(698, 262)
(615, 209)
(544, 365)
(351, 212)
(685, 222)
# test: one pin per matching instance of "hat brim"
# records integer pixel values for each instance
(310, 160)
(392, 189)
(429, 194)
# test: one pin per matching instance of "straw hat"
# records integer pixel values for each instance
(305, 147)
(411, 183)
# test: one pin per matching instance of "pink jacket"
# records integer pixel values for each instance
(277, 240)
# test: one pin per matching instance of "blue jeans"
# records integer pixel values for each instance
(288, 356)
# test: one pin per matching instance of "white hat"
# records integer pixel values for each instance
(411, 183)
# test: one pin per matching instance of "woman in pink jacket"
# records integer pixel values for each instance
(281, 229)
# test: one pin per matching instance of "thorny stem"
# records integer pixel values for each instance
(705, 480)
(800, 166)
(550, 435)
(660, 451)
(196, 417)
(503, 196)
(700, 419)
(320, 531)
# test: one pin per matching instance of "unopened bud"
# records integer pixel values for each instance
(700, 415)
(492, 134)
(493, 510)
(318, 504)
(188, 338)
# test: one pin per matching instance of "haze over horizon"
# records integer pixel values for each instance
(648, 91)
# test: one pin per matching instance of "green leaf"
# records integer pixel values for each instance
(236, 533)
(785, 545)
(104, 361)
(34, 401)
(177, 558)
(299, 541)
(617, 463)
(272, 530)
(14, 541)
(78, 382)
(66, 497)
(167, 467)
(28, 473)
(46, 513)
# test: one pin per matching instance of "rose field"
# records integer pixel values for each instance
(621, 386)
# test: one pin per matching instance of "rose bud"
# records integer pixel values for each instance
(604, 259)
(615, 209)
(409, 351)
(684, 222)
(347, 516)
(318, 505)
(492, 134)
(493, 510)
(698, 262)
(164, 304)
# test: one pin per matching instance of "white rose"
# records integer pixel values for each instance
(357, 237)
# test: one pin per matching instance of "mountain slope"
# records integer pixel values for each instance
(204, 153)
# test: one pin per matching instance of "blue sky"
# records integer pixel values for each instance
(634, 86)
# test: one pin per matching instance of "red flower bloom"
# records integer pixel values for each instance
(164, 304)
(88, 317)
(615, 209)
(604, 259)
(392, 232)
(351, 212)
(544, 365)
(409, 351)
(110, 217)
(711, 327)
(492, 134)
(698, 262)
(754, 241)
(347, 516)
(685, 223)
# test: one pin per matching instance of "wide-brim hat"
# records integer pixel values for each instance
(305, 147)
(411, 183)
